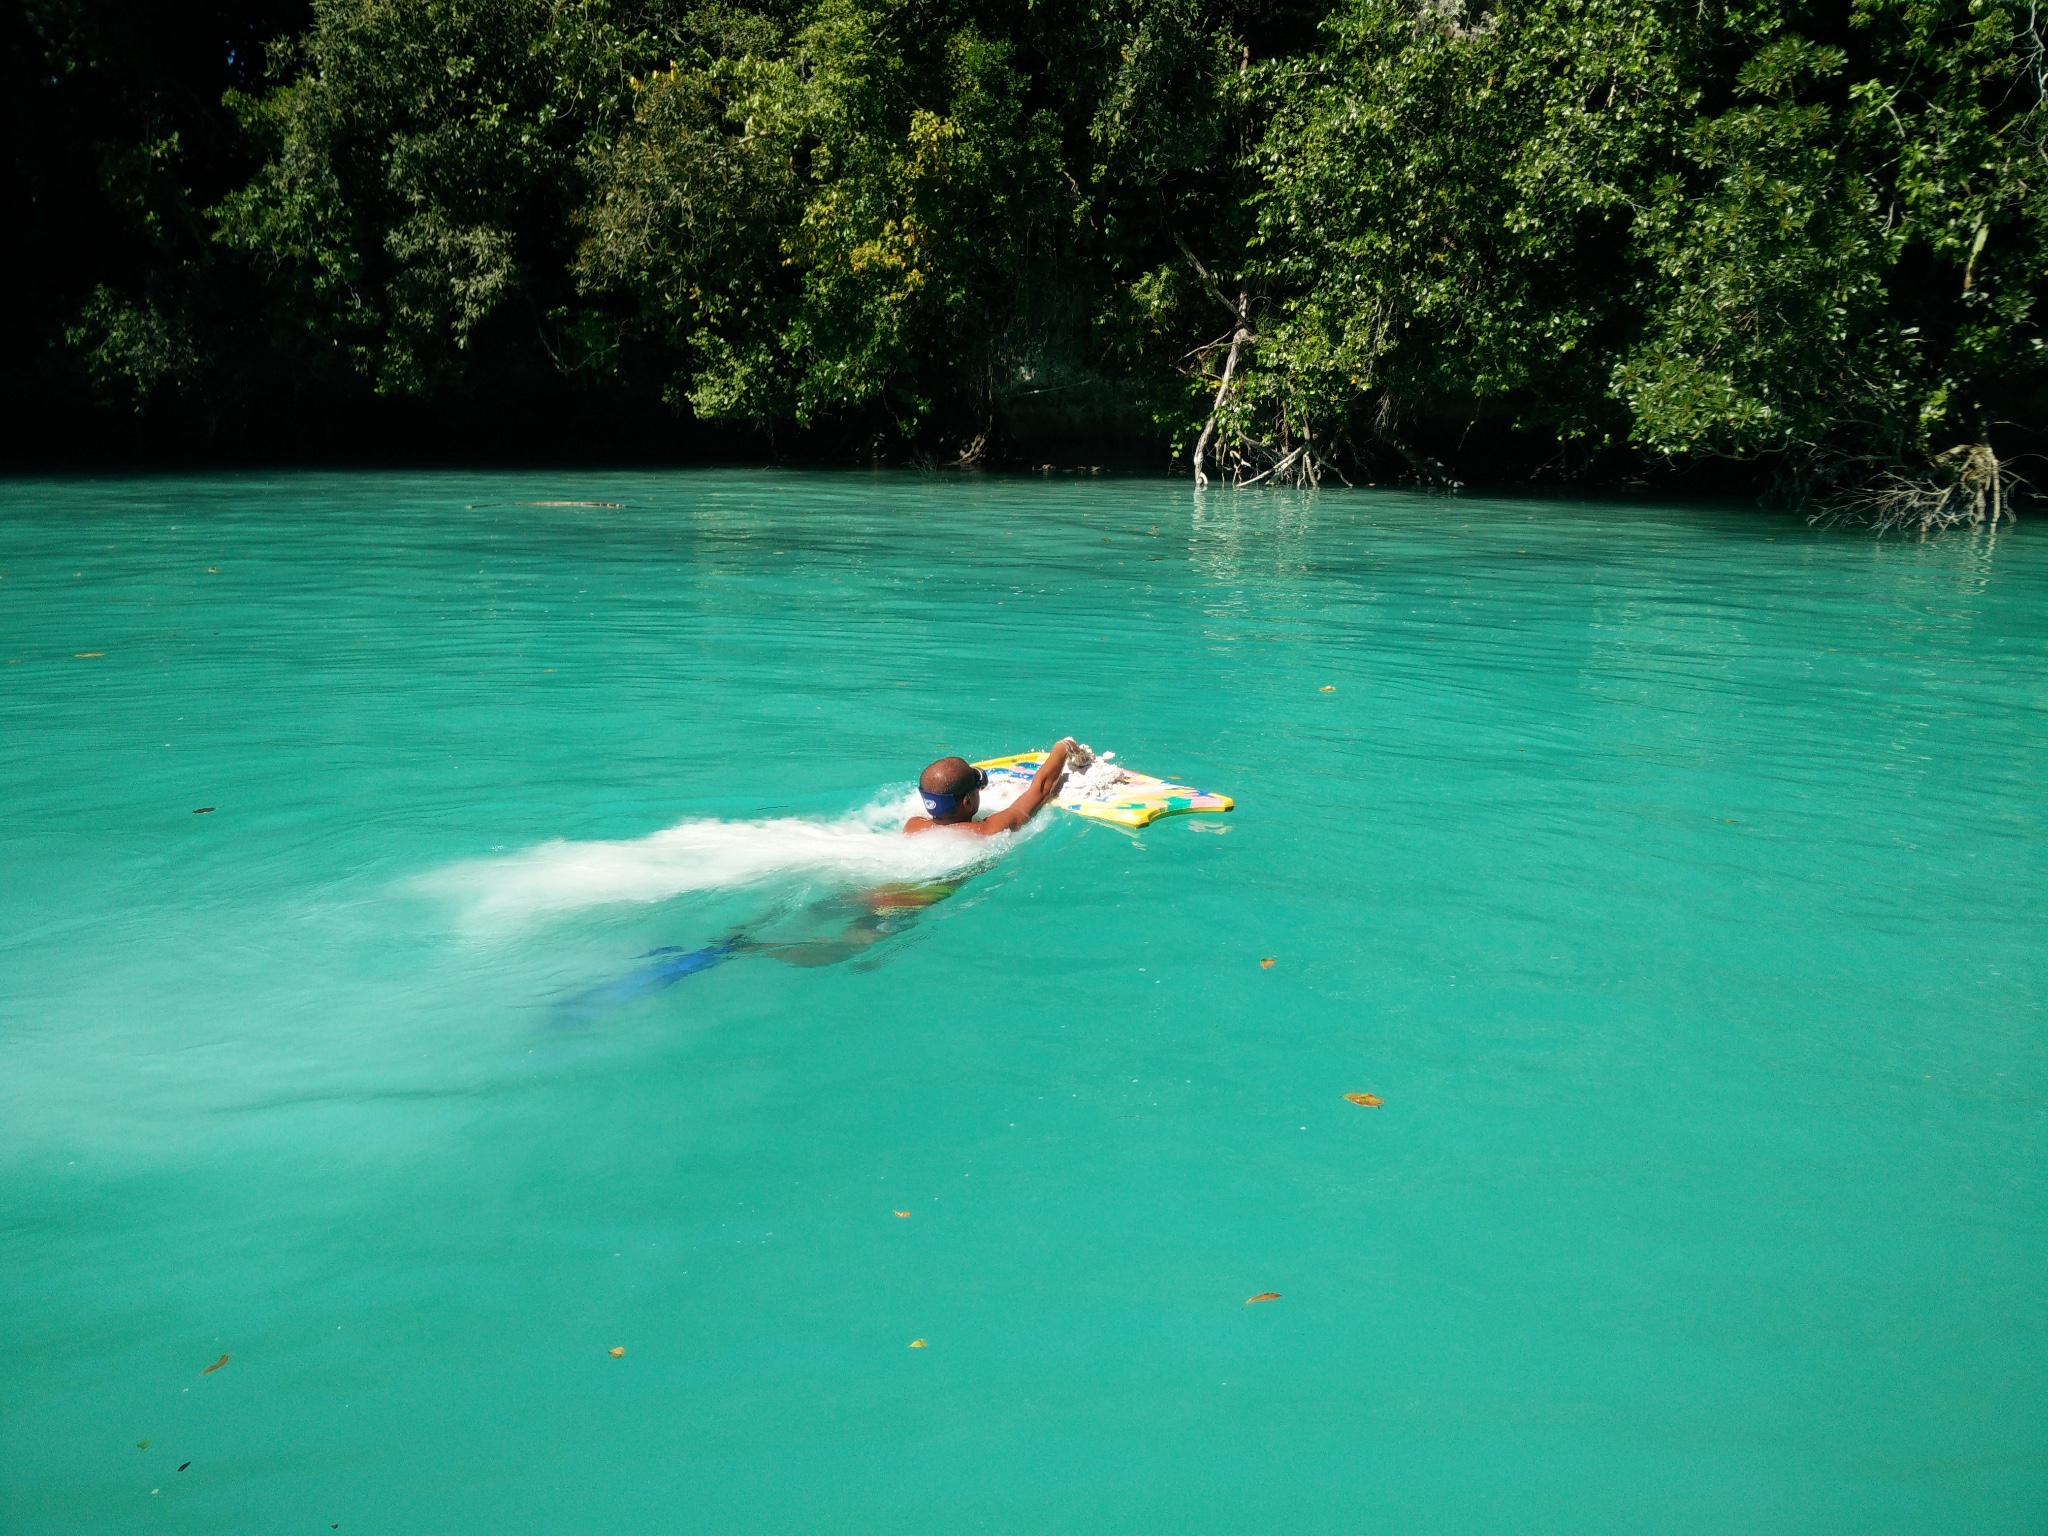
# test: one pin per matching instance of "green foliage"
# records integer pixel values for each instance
(1960, 122)
(1819, 279)
(892, 211)
(133, 349)
(1607, 220)
(686, 220)
(1445, 198)
(1766, 314)
(1603, 232)
(421, 176)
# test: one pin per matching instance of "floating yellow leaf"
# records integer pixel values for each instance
(1329, 687)
(84, 655)
(1266, 964)
(618, 1351)
(903, 1213)
(917, 1343)
(1369, 1100)
(1262, 1296)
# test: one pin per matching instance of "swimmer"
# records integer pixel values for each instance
(952, 788)
(952, 793)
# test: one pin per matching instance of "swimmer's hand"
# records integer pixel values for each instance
(1044, 785)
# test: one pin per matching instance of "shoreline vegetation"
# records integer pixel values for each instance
(1759, 247)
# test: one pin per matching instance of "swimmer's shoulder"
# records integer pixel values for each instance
(918, 824)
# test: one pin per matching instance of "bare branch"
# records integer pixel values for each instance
(1196, 262)
(1237, 340)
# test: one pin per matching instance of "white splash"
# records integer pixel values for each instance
(560, 876)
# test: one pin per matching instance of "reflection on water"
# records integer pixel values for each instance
(1235, 534)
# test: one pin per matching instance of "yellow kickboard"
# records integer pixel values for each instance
(1134, 800)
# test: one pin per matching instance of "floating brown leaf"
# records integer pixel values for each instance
(142, 1445)
(1369, 1100)
(223, 1360)
(1262, 1296)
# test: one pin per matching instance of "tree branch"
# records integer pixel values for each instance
(1196, 262)
(1238, 338)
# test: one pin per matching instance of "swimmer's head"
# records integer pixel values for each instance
(951, 789)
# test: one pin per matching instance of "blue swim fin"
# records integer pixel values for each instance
(671, 965)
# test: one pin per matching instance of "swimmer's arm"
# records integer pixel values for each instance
(1043, 786)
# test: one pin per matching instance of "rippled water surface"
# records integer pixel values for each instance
(1675, 876)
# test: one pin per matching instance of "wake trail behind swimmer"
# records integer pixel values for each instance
(951, 791)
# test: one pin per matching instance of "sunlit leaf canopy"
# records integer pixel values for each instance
(1435, 239)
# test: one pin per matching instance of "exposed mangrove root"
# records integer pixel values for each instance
(1234, 453)
(1246, 461)
(1966, 487)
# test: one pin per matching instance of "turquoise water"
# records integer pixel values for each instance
(1675, 877)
